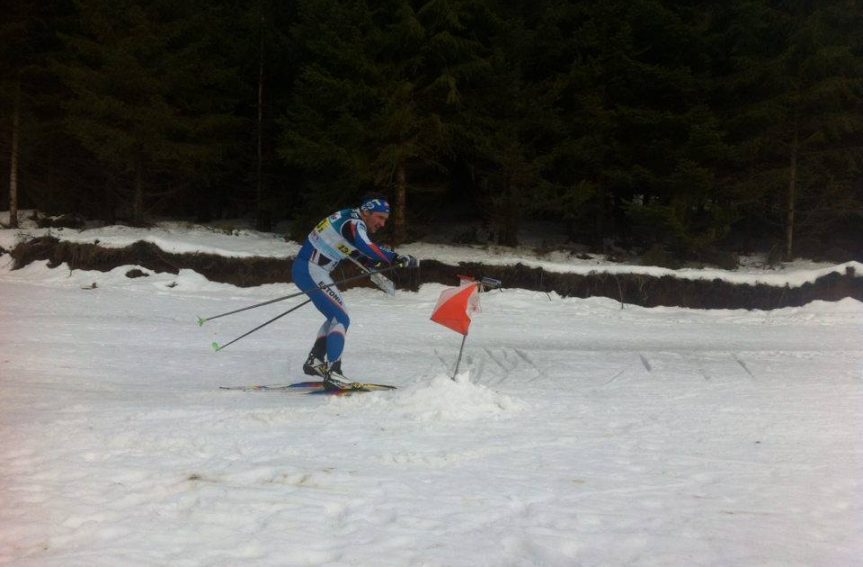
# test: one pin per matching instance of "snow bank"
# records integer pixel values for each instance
(177, 237)
(173, 237)
(441, 399)
(793, 273)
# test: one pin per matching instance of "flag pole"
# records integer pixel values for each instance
(458, 362)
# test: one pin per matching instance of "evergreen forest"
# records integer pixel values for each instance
(686, 128)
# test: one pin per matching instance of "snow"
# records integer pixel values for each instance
(577, 432)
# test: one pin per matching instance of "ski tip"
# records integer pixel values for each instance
(216, 347)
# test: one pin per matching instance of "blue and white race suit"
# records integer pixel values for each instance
(342, 234)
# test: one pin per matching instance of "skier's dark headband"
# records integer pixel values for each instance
(379, 205)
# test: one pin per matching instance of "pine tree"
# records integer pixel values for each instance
(324, 127)
(26, 42)
(567, 122)
(261, 53)
(615, 124)
(665, 140)
(435, 56)
(150, 95)
(13, 35)
(502, 116)
(374, 98)
(796, 86)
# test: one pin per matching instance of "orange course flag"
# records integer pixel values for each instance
(456, 305)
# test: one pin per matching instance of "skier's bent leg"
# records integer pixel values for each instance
(336, 338)
(317, 283)
(329, 302)
(320, 347)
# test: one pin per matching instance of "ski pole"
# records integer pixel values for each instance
(217, 348)
(202, 320)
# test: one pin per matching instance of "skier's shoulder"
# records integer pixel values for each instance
(347, 214)
(348, 223)
(352, 217)
(344, 216)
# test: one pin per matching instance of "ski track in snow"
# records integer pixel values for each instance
(576, 433)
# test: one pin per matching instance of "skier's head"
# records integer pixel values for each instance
(375, 211)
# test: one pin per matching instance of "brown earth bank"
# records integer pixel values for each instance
(638, 289)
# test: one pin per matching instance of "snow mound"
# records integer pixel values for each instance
(443, 399)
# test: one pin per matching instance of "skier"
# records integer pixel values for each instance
(342, 234)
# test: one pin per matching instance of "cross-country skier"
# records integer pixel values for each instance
(342, 234)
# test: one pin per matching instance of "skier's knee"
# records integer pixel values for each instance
(343, 319)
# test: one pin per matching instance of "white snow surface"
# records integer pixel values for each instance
(234, 241)
(577, 432)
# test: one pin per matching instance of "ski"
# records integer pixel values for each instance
(355, 387)
(312, 387)
(260, 387)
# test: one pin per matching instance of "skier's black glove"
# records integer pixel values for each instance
(407, 261)
(369, 263)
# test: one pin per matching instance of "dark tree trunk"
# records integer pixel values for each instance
(509, 217)
(400, 216)
(13, 161)
(264, 219)
(138, 199)
(791, 204)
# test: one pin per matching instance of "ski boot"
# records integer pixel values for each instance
(334, 380)
(315, 365)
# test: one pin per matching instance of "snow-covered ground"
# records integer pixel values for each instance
(579, 433)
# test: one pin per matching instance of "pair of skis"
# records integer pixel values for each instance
(312, 387)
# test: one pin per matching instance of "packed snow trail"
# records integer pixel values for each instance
(579, 433)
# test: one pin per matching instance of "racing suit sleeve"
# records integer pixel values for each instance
(355, 232)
